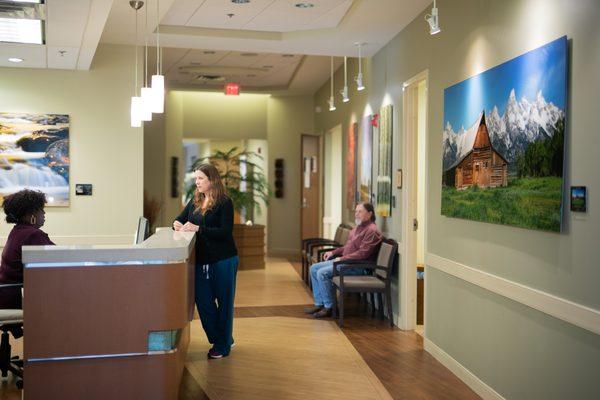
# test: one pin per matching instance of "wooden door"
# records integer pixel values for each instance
(310, 187)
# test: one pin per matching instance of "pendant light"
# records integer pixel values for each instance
(331, 98)
(158, 80)
(359, 78)
(344, 91)
(136, 101)
(146, 92)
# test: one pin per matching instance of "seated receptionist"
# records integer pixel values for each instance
(25, 209)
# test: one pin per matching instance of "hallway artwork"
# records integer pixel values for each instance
(506, 167)
(34, 154)
(365, 152)
(351, 166)
(384, 170)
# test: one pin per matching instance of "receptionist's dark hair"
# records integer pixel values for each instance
(22, 203)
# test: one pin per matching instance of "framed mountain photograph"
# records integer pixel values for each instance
(503, 142)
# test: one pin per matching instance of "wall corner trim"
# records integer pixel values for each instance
(470, 379)
(577, 314)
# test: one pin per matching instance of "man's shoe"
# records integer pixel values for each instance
(312, 310)
(325, 312)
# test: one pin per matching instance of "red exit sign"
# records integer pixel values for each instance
(232, 89)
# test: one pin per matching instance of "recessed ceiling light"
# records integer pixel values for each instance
(287, 55)
(209, 52)
(15, 59)
(248, 54)
(304, 5)
(267, 66)
(240, 1)
(16, 30)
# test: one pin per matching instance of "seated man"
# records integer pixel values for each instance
(362, 241)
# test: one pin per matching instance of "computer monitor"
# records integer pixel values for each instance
(143, 231)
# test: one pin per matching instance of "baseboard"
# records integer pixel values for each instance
(470, 379)
(557, 307)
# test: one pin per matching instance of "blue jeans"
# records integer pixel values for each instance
(215, 291)
(320, 275)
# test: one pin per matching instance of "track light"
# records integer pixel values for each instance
(433, 20)
(344, 91)
(331, 98)
(359, 78)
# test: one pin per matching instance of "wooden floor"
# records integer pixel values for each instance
(281, 353)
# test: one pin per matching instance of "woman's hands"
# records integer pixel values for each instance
(177, 225)
(189, 227)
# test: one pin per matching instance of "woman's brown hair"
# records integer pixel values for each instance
(216, 193)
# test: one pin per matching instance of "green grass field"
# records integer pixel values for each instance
(529, 203)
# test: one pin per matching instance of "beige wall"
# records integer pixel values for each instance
(214, 115)
(519, 352)
(104, 150)
(288, 118)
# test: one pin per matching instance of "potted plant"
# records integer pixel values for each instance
(247, 186)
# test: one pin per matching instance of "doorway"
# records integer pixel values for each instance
(332, 185)
(311, 193)
(414, 196)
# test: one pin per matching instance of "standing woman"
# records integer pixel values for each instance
(210, 215)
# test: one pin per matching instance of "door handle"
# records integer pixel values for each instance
(415, 224)
(304, 203)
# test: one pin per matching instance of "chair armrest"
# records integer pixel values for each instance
(325, 242)
(345, 265)
(10, 285)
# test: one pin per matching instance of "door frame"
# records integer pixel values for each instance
(319, 180)
(408, 276)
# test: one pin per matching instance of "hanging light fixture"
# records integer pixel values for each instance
(158, 80)
(331, 98)
(359, 78)
(344, 91)
(146, 92)
(433, 20)
(136, 101)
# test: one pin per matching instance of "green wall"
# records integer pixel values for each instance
(519, 352)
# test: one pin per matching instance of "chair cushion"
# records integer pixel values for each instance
(360, 282)
(11, 316)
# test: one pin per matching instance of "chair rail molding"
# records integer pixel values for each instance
(574, 313)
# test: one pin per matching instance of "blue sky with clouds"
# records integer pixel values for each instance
(544, 69)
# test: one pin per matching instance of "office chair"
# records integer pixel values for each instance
(8, 320)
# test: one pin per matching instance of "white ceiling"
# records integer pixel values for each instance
(278, 28)
(253, 71)
(73, 30)
(258, 15)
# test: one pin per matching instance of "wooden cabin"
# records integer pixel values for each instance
(482, 166)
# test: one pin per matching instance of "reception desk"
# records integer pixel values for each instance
(108, 322)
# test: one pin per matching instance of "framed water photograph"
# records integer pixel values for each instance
(34, 154)
(503, 142)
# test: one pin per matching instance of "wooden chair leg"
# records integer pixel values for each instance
(388, 300)
(335, 303)
(341, 309)
(380, 304)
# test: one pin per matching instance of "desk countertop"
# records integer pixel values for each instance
(164, 246)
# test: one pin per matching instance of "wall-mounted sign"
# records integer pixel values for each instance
(83, 189)
(579, 198)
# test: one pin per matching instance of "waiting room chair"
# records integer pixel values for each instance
(9, 320)
(309, 245)
(379, 280)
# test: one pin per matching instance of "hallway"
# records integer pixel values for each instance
(281, 353)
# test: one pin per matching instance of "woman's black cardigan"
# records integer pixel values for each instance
(214, 240)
